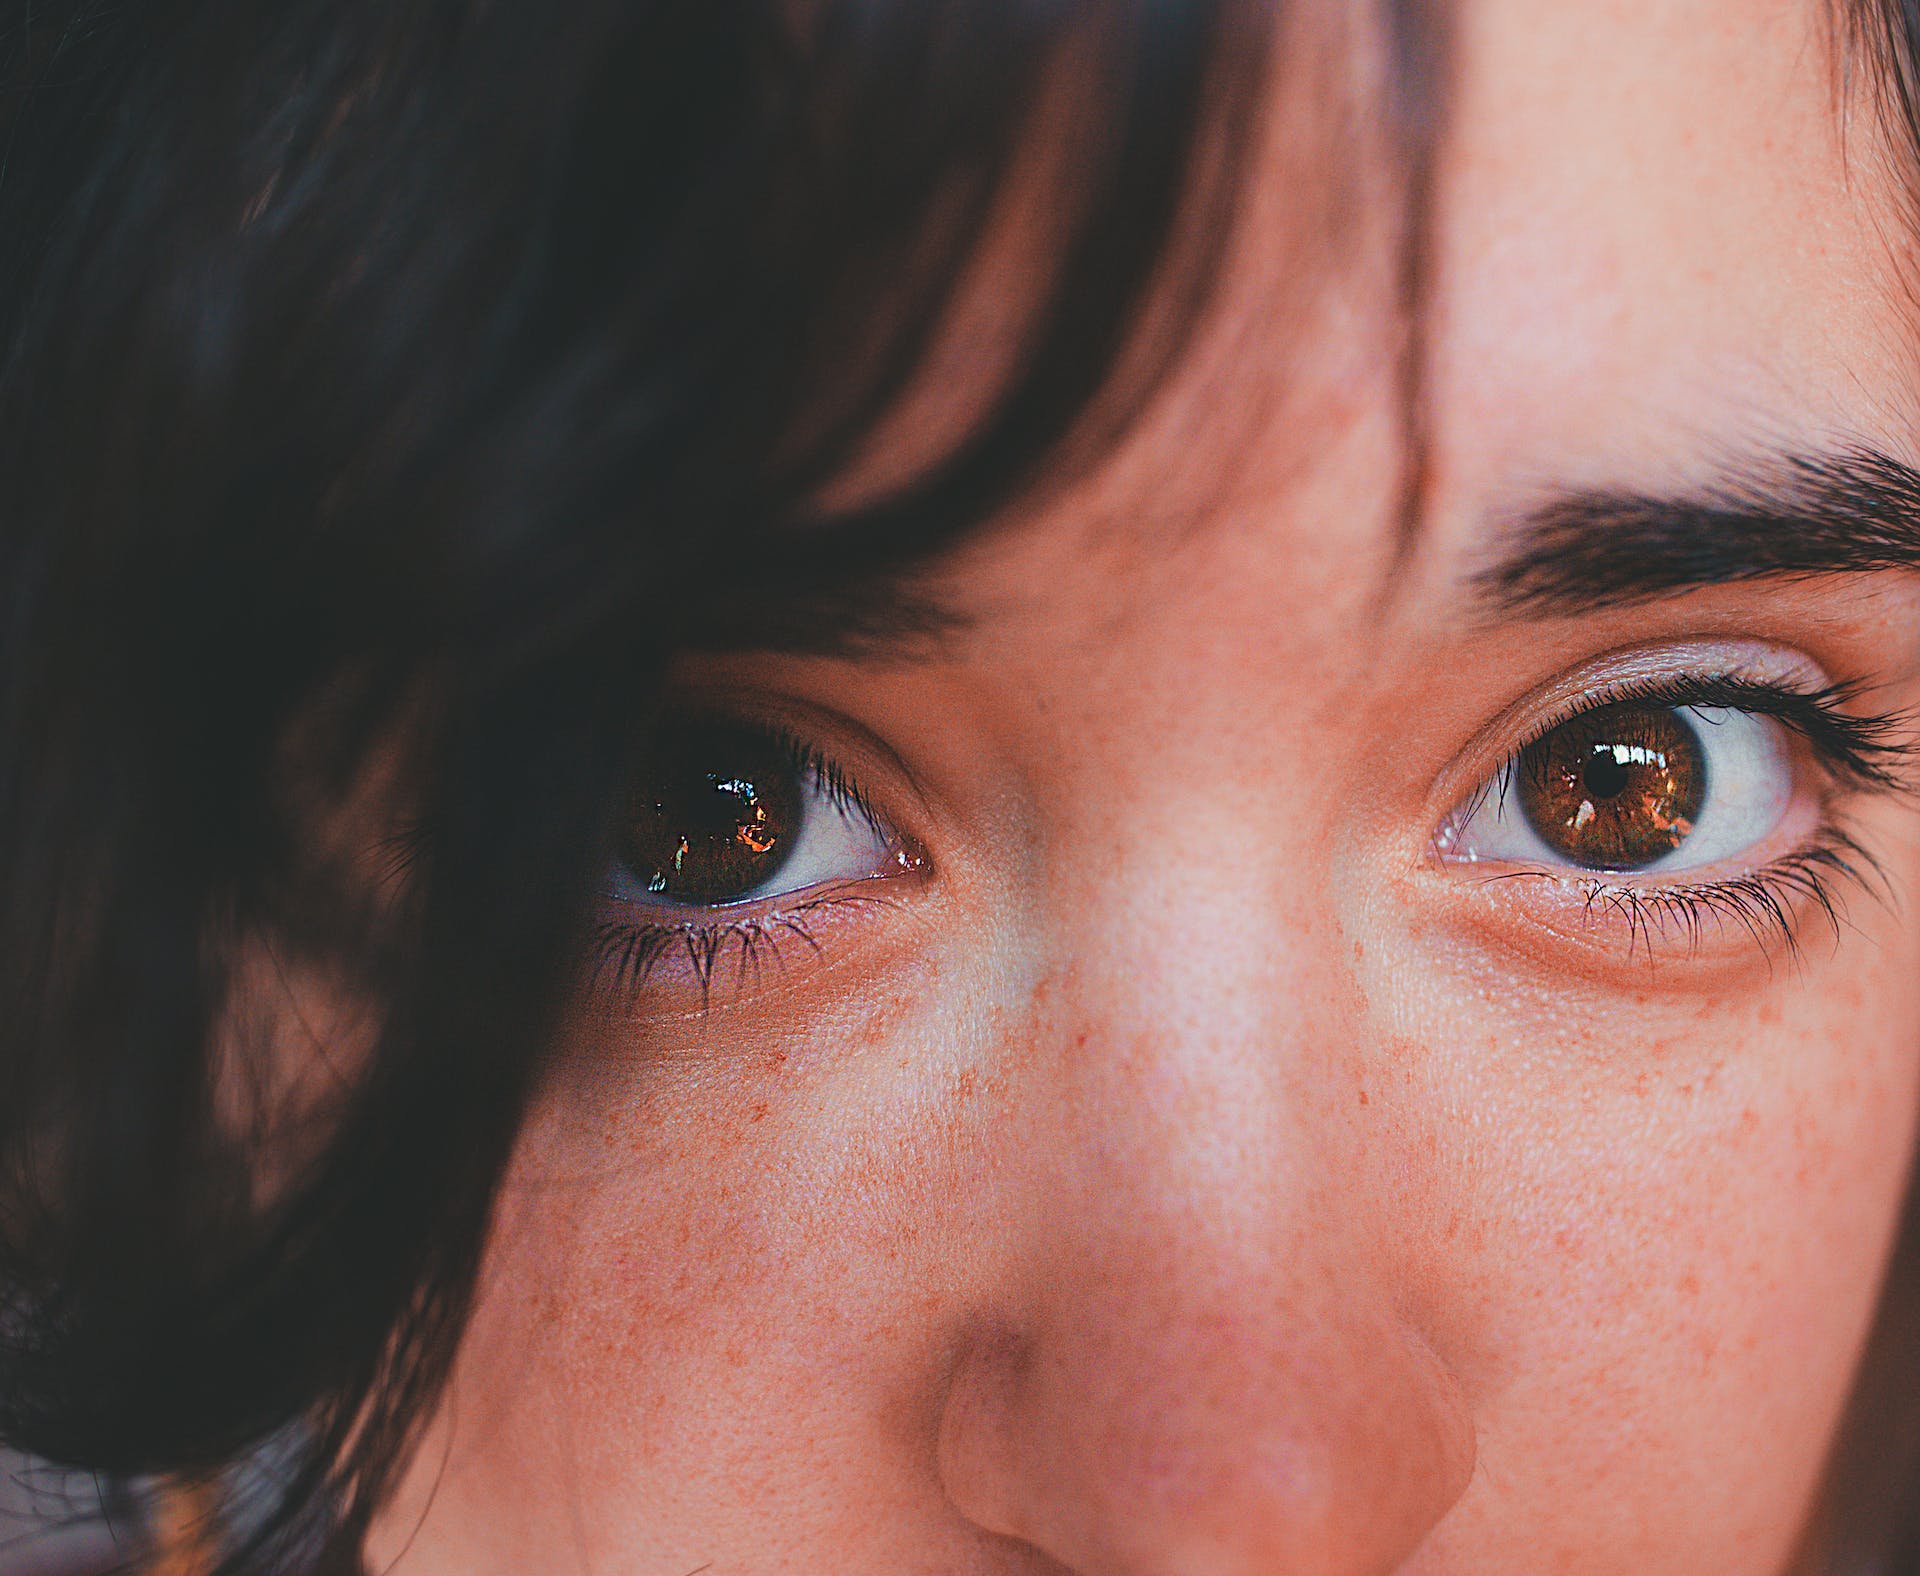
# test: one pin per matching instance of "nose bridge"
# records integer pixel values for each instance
(1199, 1367)
(1199, 1043)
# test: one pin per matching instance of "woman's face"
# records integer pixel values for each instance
(1223, 1112)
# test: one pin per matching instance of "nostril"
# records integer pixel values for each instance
(975, 1449)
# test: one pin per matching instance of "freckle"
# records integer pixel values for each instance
(1363, 1097)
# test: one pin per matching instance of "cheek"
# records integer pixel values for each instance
(718, 1292)
(1643, 1232)
(1674, 1232)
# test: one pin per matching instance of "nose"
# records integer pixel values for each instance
(1197, 1362)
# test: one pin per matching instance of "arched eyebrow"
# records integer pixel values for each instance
(1855, 511)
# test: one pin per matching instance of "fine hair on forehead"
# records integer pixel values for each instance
(389, 389)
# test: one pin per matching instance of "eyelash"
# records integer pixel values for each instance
(1861, 754)
(626, 952)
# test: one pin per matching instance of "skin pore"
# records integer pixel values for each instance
(1167, 1161)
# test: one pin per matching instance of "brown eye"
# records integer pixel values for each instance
(1616, 788)
(717, 818)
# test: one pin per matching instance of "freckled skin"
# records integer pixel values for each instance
(1190, 1178)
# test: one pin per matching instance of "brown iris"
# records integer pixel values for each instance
(1615, 788)
(718, 816)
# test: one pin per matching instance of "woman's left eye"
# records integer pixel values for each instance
(1633, 787)
(732, 813)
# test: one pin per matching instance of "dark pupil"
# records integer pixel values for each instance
(1615, 788)
(717, 817)
(1607, 775)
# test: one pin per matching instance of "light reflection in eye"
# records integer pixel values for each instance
(732, 813)
(1632, 787)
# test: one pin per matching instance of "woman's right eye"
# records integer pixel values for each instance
(1632, 787)
(733, 813)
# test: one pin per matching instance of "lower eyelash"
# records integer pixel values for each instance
(628, 953)
(1770, 903)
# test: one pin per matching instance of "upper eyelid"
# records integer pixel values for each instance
(1871, 752)
(1763, 664)
(814, 727)
(1869, 748)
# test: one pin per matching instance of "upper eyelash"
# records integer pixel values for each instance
(842, 789)
(1870, 752)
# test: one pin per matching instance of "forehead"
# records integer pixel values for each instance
(1645, 237)
(1665, 227)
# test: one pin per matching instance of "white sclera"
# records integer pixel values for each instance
(835, 843)
(1749, 772)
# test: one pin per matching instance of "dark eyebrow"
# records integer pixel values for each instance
(1854, 511)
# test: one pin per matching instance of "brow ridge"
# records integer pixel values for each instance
(1854, 511)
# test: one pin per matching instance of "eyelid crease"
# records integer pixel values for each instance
(1877, 752)
(1873, 750)
(792, 720)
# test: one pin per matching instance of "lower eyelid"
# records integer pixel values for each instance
(1761, 911)
(703, 958)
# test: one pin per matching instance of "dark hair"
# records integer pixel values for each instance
(387, 389)
(403, 381)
